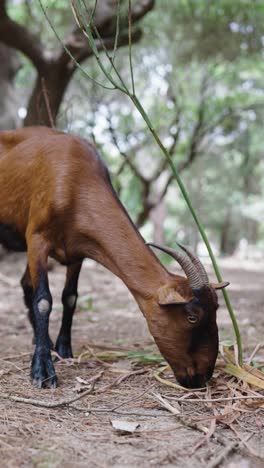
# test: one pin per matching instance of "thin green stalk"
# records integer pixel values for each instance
(81, 21)
(130, 46)
(197, 221)
(89, 34)
(117, 31)
(117, 26)
(122, 87)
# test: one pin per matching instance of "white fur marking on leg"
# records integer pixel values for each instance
(71, 300)
(43, 306)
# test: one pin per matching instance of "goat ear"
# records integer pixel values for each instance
(221, 285)
(168, 295)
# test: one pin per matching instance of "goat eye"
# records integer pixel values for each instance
(192, 319)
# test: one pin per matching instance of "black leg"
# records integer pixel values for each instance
(27, 287)
(28, 297)
(69, 299)
(42, 368)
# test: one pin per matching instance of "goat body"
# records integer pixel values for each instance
(56, 200)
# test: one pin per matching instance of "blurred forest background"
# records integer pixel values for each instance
(199, 71)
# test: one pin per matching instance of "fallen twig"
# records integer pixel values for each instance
(226, 450)
(166, 404)
(215, 400)
(93, 354)
(257, 348)
(121, 379)
(245, 442)
(182, 417)
(205, 438)
(125, 413)
(52, 404)
(133, 398)
(14, 356)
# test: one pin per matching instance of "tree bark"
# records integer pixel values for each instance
(47, 95)
(8, 105)
(229, 235)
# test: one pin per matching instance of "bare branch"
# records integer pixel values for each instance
(176, 122)
(140, 9)
(3, 8)
(109, 43)
(105, 15)
(165, 189)
(196, 137)
(197, 133)
(175, 137)
(123, 153)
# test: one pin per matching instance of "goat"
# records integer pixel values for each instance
(57, 200)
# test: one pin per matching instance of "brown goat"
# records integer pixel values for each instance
(56, 200)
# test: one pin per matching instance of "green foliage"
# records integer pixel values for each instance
(195, 41)
(143, 356)
(30, 14)
(86, 303)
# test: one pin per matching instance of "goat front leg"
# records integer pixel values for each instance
(42, 368)
(27, 287)
(69, 299)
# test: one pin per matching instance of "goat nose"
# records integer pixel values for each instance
(196, 381)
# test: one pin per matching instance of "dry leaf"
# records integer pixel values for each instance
(173, 409)
(245, 375)
(124, 426)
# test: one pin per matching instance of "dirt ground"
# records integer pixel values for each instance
(167, 430)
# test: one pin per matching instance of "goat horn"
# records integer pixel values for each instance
(185, 262)
(197, 263)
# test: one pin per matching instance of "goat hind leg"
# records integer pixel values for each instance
(69, 299)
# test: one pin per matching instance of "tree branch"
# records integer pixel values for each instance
(141, 8)
(104, 17)
(196, 137)
(3, 8)
(123, 153)
(15, 35)
(105, 22)
(175, 137)
(81, 50)
(197, 133)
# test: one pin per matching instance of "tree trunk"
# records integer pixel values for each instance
(229, 235)
(10, 65)
(47, 95)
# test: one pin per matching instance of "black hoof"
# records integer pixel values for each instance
(64, 349)
(42, 370)
(50, 382)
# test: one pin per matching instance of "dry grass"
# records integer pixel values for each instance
(120, 387)
(114, 380)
